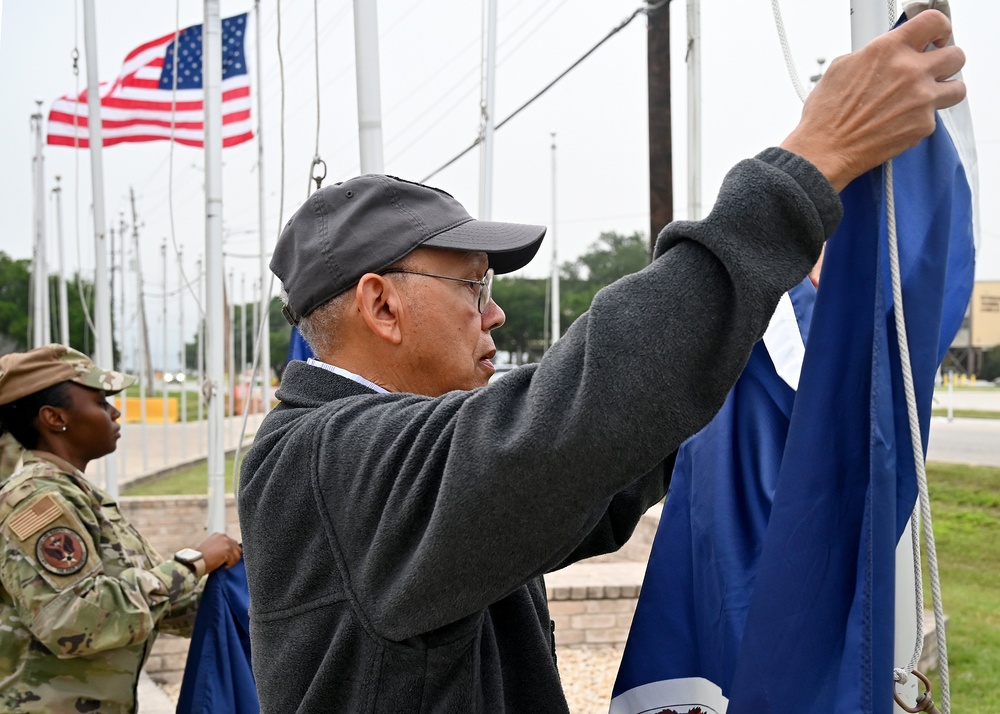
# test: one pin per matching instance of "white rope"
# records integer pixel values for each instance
(923, 519)
(793, 73)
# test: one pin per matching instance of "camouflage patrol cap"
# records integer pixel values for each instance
(24, 373)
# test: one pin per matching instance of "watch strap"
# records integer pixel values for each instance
(196, 566)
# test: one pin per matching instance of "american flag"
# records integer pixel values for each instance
(138, 105)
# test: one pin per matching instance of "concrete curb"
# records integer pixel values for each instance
(151, 699)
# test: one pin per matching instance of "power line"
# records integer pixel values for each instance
(547, 87)
(435, 120)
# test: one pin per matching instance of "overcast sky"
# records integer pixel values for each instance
(430, 67)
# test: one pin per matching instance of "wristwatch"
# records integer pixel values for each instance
(191, 558)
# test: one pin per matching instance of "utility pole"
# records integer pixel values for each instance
(661, 187)
(63, 298)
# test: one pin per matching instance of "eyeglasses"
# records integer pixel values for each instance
(485, 285)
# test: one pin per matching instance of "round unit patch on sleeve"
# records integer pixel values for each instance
(61, 551)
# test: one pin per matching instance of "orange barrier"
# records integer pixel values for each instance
(154, 409)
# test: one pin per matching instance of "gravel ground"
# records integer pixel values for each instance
(588, 674)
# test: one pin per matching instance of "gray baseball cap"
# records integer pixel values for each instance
(367, 223)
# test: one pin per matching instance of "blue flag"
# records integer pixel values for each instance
(218, 678)
(298, 348)
(771, 583)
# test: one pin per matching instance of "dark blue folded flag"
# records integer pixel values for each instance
(218, 678)
(771, 583)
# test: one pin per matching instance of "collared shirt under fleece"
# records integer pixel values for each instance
(395, 544)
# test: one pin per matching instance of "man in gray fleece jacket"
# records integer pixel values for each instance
(398, 515)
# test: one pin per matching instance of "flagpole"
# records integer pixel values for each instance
(39, 269)
(143, 341)
(63, 297)
(124, 441)
(183, 347)
(163, 368)
(265, 298)
(869, 20)
(200, 358)
(102, 305)
(214, 276)
(555, 255)
(369, 92)
(243, 328)
(230, 300)
(253, 323)
(487, 105)
(694, 109)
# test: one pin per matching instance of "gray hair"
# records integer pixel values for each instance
(321, 328)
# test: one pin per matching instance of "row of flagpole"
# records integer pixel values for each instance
(370, 142)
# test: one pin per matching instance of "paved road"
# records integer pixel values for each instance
(965, 441)
(972, 441)
(980, 399)
(160, 449)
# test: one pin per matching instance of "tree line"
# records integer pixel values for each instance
(525, 301)
(525, 334)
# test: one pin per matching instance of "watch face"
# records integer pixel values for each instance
(187, 555)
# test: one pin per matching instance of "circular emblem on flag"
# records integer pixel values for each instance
(61, 551)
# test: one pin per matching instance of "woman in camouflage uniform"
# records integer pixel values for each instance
(82, 593)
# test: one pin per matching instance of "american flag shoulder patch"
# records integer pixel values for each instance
(35, 517)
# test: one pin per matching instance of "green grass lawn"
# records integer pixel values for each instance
(189, 482)
(965, 507)
(967, 413)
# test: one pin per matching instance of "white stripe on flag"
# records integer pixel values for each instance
(783, 341)
(678, 694)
